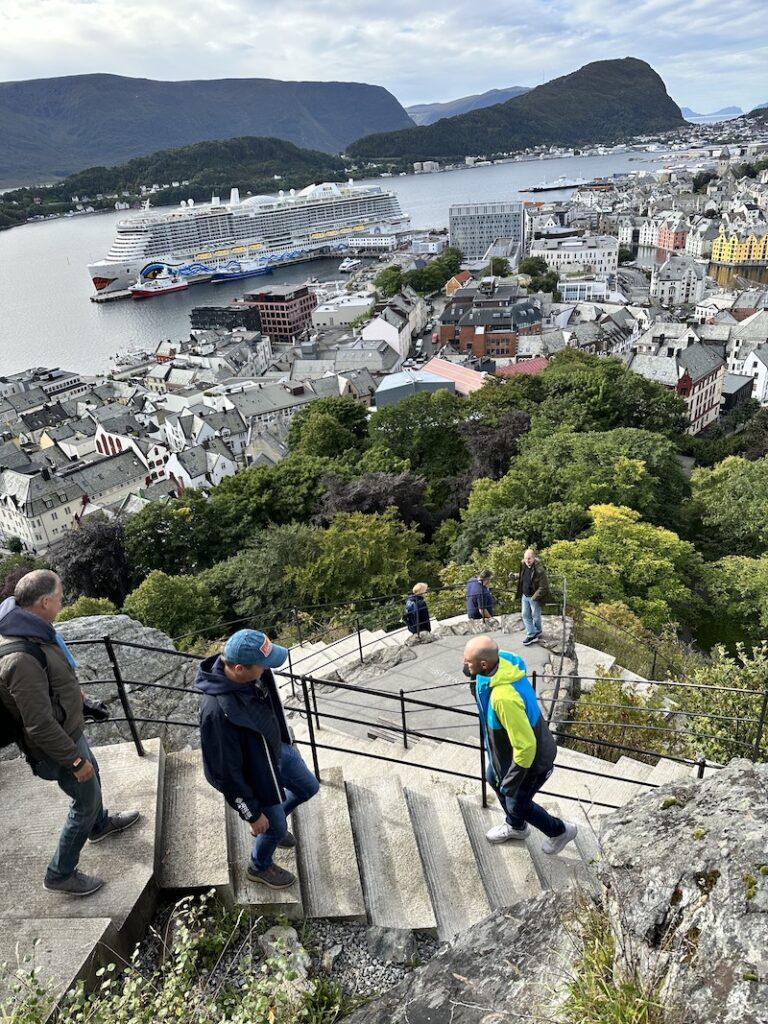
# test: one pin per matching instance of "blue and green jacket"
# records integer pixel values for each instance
(517, 738)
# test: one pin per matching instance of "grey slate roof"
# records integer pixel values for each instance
(37, 492)
(94, 478)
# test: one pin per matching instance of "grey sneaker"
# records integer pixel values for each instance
(273, 876)
(77, 884)
(115, 823)
(503, 833)
(288, 841)
(555, 845)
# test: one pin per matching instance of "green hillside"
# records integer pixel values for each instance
(604, 101)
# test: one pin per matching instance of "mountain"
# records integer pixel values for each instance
(51, 127)
(428, 113)
(603, 101)
(723, 112)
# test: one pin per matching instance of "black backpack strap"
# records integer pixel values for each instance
(25, 647)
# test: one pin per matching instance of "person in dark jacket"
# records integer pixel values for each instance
(248, 751)
(416, 612)
(479, 596)
(47, 704)
(521, 750)
(532, 589)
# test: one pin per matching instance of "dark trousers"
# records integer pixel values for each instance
(519, 808)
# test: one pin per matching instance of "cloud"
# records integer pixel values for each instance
(709, 52)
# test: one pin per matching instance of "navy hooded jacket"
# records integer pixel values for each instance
(242, 729)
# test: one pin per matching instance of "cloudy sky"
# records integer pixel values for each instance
(710, 53)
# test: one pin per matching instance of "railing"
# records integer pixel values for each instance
(406, 705)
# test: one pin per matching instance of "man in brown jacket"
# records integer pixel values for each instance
(48, 705)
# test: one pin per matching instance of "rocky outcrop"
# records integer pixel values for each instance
(684, 892)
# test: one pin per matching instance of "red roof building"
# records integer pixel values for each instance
(535, 365)
(465, 380)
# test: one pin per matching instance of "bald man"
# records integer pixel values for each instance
(521, 750)
(532, 589)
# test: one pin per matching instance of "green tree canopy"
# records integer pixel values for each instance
(731, 504)
(389, 281)
(425, 429)
(181, 606)
(350, 415)
(621, 467)
(85, 606)
(177, 537)
(737, 611)
(648, 568)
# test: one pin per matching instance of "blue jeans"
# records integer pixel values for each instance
(299, 784)
(531, 616)
(86, 811)
(519, 809)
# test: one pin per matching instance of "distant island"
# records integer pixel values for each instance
(428, 113)
(602, 102)
(53, 127)
(196, 172)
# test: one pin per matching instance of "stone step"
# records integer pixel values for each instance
(668, 771)
(254, 894)
(631, 768)
(506, 869)
(556, 871)
(396, 892)
(458, 896)
(588, 660)
(330, 879)
(617, 792)
(126, 862)
(192, 850)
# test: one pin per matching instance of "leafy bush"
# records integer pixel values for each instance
(180, 606)
(84, 606)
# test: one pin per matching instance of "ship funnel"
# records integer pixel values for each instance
(234, 196)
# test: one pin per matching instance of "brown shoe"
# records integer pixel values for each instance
(273, 876)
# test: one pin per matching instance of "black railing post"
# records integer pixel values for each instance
(123, 695)
(313, 691)
(403, 719)
(701, 764)
(653, 663)
(293, 678)
(483, 779)
(760, 726)
(359, 638)
(533, 680)
(310, 727)
(554, 699)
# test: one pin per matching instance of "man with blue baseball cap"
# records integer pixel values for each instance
(248, 751)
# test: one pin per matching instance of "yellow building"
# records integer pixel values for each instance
(750, 245)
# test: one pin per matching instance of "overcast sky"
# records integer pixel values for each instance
(710, 53)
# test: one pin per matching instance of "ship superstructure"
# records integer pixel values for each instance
(193, 239)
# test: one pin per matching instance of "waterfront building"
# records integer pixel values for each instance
(285, 311)
(599, 252)
(678, 282)
(734, 246)
(474, 227)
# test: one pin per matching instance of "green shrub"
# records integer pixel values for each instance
(86, 606)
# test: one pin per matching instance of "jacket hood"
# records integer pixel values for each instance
(211, 678)
(19, 622)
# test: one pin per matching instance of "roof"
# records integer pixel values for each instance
(734, 382)
(105, 474)
(466, 380)
(410, 378)
(37, 492)
(699, 360)
(535, 365)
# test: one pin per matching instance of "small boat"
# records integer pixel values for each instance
(163, 284)
(238, 270)
(349, 264)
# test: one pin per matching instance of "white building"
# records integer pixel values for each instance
(599, 252)
(678, 282)
(756, 367)
(473, 227)
(341, 310)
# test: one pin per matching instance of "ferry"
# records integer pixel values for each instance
(264, 230)
(163, 284)
(238, 270)
(349, 264)
(558, 184)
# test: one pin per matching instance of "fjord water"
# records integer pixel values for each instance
(46, 318)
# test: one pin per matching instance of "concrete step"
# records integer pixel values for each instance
(668, 771)
(559, 870)
(396, 892)
(588, 660)
(330, 879)
(631, 768)
(192, 850)
(458, 896)
(506, 869)
(34, 811)
(617, 792)
(254, 894)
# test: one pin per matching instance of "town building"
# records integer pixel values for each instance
(474, 227)
(598, 252)
(693, 371)
(678, 282)
(285, 311)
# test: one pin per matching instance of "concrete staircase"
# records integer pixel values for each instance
(395, 837)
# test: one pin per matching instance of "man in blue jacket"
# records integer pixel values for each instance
(248, 751)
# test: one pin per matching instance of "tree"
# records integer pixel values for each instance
(377, 492)
(325, 437)
(13, 567)
(493, 445)
(498, 267)
(360, 556)
(380, 459)
(425, 430)
(14, 545)
(648, 568)
(620, 467)
(181, 606)
(625, 254)
(755, 437)
(534, 266)
(737, 609)
(179, 537)
(536, 528)
(389, 281)
(351, 415)
(86, 606)
(730, 501)
(92, 560)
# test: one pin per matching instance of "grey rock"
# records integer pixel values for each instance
(329, 958)
(391, 945)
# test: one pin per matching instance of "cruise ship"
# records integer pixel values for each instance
(268, 230)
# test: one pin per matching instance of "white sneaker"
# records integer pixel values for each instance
(503, 833)
(560, 842)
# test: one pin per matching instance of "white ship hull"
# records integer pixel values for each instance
(264, 231)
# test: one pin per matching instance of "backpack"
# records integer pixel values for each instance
(10, 729)
(411, 613)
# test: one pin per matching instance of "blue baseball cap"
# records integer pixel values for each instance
(251, 647)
